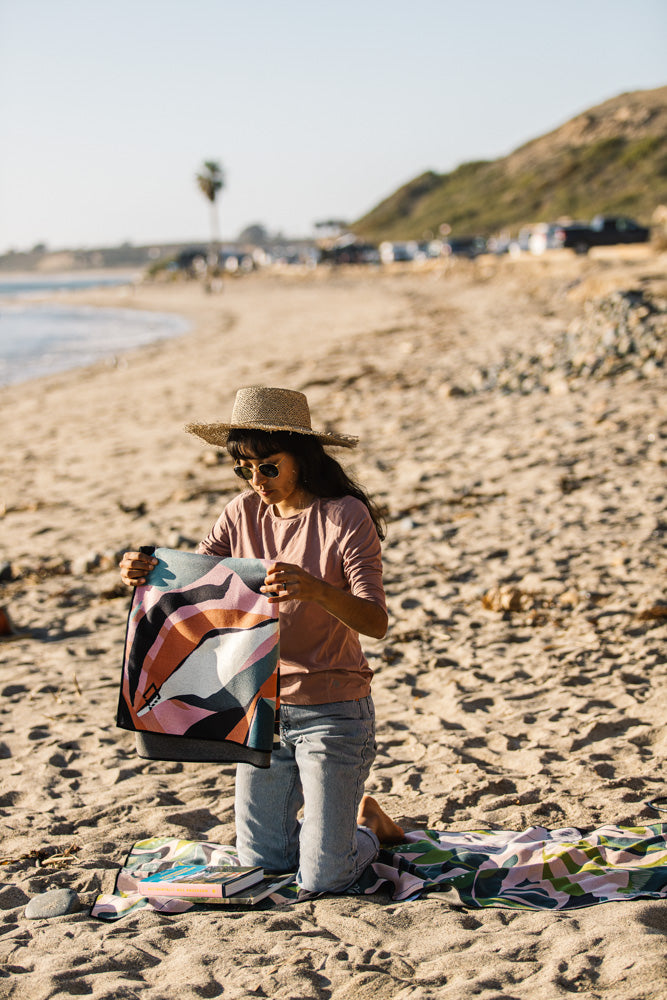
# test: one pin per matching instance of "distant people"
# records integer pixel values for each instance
(321, 533)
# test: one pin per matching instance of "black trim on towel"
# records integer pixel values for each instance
(160, 746)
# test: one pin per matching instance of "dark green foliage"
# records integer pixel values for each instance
(555, 177)
(403, 202)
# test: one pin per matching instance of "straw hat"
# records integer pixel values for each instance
(259, 408)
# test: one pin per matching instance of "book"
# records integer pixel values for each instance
(253, 895)
(214, 882)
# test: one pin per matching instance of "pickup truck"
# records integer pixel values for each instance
(604, 230)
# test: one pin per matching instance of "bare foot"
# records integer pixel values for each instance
(375, 818)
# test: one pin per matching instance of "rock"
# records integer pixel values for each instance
(569, 598)
(113, 775)
(175, 540)
(211, 458)
(108, 560)
(83, 564)
(54, 903)
(407, 524)
(624, 333)
(506, 598)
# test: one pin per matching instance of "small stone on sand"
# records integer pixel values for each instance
(54, 903)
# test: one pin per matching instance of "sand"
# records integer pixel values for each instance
(552, 714)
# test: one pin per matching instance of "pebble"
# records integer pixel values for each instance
(175, 540)
(83, 564)
(211, 457)
(54, 903)
(624, 333)
(407, 524)
(90, 562)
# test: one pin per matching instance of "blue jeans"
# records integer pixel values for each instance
(325, 756)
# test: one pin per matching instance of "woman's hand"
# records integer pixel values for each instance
(135, 567)
(286, 582)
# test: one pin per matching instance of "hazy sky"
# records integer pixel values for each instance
(315, 109)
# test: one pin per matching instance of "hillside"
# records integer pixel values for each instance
(611, 158)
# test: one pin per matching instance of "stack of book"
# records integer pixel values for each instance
(213, 884)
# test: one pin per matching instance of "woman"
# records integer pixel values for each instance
(321, 534)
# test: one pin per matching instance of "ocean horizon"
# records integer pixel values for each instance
(40, 338)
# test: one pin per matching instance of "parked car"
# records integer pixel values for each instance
(192, 260)
(238, 261)
(429, 249)
(499, 243)
(604, 230)
(397, 252)
(464, 246)
(546, 236)
(351, 253)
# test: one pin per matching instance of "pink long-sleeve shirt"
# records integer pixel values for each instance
(321, 659)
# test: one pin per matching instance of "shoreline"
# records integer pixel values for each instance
(108, 277)
(46, 334)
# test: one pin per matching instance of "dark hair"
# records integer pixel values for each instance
(319, 473)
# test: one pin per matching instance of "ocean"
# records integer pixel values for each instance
(39, 338)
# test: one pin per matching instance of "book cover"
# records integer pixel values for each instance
(195, 881)
(253, 895)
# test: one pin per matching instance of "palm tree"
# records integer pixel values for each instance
(211, 180)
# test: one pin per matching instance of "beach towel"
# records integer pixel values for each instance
(536, 869)
(200, 667)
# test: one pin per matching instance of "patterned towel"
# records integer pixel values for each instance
(201, 661)
(533, 870)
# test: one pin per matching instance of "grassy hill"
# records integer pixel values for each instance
(610, 159)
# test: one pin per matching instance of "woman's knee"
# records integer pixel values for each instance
(335, 870)
(323, 878)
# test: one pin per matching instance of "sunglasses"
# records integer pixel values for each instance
(269, 470)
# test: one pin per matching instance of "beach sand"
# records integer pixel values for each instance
(553, 714)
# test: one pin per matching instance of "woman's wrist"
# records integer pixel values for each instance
(358, 613)
(324, 593)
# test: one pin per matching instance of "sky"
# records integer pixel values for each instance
(316, 110)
